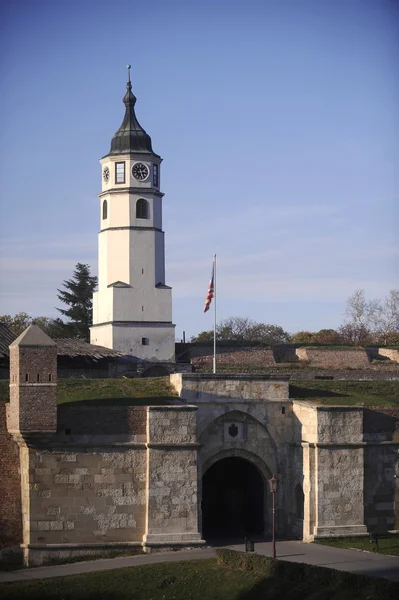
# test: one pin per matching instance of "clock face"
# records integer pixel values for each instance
(106, 174)
(140, 171)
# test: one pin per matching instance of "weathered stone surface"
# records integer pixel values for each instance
(334, 359)
(117, 476)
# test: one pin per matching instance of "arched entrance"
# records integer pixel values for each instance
(232, 499)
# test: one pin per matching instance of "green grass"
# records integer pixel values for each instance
(329, 347)
(230, 577)
(389, 545)
(157, 390)
(191, 580)
(126, 391)
(350, 393)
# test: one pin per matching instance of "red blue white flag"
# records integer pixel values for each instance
(211, 290)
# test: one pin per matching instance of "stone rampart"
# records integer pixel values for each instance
(254, 357)
(10, 487)
(390, 353)
(218, 388)
(334, 359)
(91, 422)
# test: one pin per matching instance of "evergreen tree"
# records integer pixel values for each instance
(77, 295)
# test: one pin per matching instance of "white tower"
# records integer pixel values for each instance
(132, 309)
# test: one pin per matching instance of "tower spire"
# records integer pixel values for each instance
(130, 137)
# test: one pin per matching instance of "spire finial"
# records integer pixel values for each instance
(128, 85)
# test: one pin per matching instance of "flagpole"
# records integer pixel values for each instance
(214, 313)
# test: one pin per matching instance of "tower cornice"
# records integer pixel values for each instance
(132, 156)
(132, 190)
(131, 228)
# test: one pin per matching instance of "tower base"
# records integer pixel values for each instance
(154, 342)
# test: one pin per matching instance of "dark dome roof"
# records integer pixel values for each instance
(130, 137)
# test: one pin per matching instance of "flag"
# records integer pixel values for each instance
(211, 290)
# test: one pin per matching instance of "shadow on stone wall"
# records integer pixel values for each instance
(10, 487)
(381, 469)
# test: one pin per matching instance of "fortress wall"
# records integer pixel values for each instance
(86, 496)
(381, 488)
(80, 419)
(219, 388)
(10, 487)
(254, 357)
(334, 359)
(389, 353)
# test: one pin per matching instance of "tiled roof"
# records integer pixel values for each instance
(6, 338)
(73, 348)
(67, 347)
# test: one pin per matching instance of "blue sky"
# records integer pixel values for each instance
(278, 125)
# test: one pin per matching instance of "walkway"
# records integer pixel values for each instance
(366, 563)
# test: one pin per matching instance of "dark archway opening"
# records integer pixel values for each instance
(232, 499)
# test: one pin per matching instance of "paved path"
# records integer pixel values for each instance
(367, 563)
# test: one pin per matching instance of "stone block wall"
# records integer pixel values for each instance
(10, 487)
(85, 497)
(334, 359)
(389, 353)
(219, 388)
(381, 469)
(381, 475)
(93, 423)
(172, 512)
(111, 477)
(252, 357)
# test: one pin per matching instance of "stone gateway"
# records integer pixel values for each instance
(95, 478)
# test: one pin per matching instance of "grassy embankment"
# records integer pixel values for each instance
(349, 393)
(386, 545)
(158, 390)
(362, 393)
(233, 576)
(120, 391)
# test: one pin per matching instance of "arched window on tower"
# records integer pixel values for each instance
(105, 209)
(142, 209)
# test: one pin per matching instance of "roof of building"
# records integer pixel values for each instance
(33, 336)
(66, 347)
(75, 348)
(6, 338)
(130, 137)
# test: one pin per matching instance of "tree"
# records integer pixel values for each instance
(371, 321)
(17, 323)
(387, 318)
(77, 295)
(327, 336)
(302, 337)
(355, 335)
(361, 312)
(244, 329)
(55, 328)
(203, 336)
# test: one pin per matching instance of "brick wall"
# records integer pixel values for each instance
(10, 487)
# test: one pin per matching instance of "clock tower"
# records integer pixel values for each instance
(132, 309)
